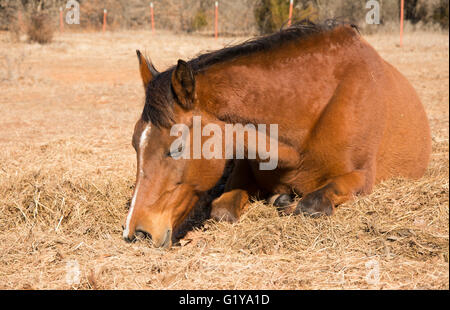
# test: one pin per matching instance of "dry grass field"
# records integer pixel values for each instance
(67, 172)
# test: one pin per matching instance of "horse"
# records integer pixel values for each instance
(346, 118)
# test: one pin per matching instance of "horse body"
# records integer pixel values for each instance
(347, 120)
(342, 109)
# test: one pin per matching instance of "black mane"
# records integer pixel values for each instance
(159, 99)
(295, 32)
(158, 107)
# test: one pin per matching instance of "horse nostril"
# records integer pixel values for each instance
(128, 239)
(140, 235)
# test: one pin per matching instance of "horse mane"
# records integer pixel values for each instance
(159, 100)
(296, 32)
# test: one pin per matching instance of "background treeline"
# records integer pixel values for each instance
(236, 16)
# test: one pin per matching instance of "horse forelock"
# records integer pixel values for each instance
(159, 100)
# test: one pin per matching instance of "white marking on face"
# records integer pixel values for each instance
(142, 144)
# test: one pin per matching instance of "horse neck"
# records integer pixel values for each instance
(288, 86)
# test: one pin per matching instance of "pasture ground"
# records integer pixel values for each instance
(67, 170)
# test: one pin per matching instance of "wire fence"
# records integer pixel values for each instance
(233, 17)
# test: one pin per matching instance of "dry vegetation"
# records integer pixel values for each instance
(236, 17)
(39, 29)
(67, 173)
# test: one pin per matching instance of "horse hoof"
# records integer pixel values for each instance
(314, 205)
(222, 215)
(282, 203)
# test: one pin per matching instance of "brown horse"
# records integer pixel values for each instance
(346, 120)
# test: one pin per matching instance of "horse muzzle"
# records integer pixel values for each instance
(159, 240)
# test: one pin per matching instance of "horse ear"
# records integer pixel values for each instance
(183, 83)
(148, 71)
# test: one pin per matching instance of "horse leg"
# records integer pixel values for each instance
(233, 202)
(229, 206)
(338, 190)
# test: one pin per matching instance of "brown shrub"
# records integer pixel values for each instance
(40, 28)
(199, 21)
(271, 15)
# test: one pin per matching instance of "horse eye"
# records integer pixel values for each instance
(175, 154)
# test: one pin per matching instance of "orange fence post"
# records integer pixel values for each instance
(61, 22)
(291, 9)
(152, 16)
(104, 20)
(216, 21)
(402, 5)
